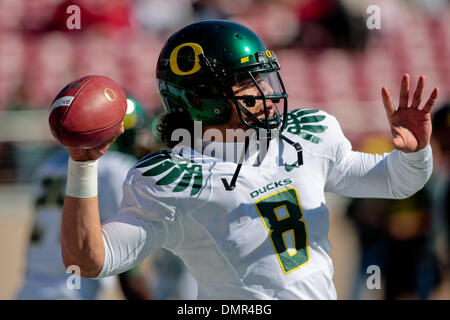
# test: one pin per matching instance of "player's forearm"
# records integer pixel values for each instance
(408, 172)
(396, 176)
(81, 236)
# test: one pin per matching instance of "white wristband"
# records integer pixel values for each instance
(82, 179)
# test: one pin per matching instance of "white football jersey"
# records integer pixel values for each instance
(267, 238)
(46, 276)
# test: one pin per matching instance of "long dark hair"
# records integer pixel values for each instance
(169, 122)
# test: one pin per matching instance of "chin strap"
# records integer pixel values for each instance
(297, 147)
(232, 185)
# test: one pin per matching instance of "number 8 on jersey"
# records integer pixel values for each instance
(283, 218)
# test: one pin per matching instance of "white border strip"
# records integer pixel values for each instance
(62, 102)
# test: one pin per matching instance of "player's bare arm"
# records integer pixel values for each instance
(81, 236)
(410, 126)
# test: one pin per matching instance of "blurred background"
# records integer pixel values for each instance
(334, 56)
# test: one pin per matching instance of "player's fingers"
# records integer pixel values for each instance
(418, 93)
(387, 102)
(100, 150)
(404, 92)
(431, 100)
(118, 133)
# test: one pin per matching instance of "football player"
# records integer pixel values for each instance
(45, 277)
(241, 199)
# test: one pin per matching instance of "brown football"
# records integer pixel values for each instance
(87, 112)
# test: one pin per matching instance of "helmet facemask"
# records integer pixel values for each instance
(256, 90)
(261, 97)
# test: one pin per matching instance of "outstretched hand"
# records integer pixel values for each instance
(410, 126)
(93, 153)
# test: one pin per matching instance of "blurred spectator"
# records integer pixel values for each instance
(330, 24)
(411, 270)
(441, 182)
(441, 134)
(8, 167)
(233, 8)
(163, 17)
(369, 216)
(280, 27)
(207, 9)
(397, 236)
(110, 17)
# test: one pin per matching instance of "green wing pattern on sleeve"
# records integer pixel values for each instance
(305, 123)
(162, 163)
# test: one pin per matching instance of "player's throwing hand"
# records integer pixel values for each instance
(79, 154)
(410, 126)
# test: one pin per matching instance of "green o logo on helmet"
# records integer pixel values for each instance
(174, 55)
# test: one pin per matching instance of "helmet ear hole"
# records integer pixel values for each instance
(203, 90)
(193, 100)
